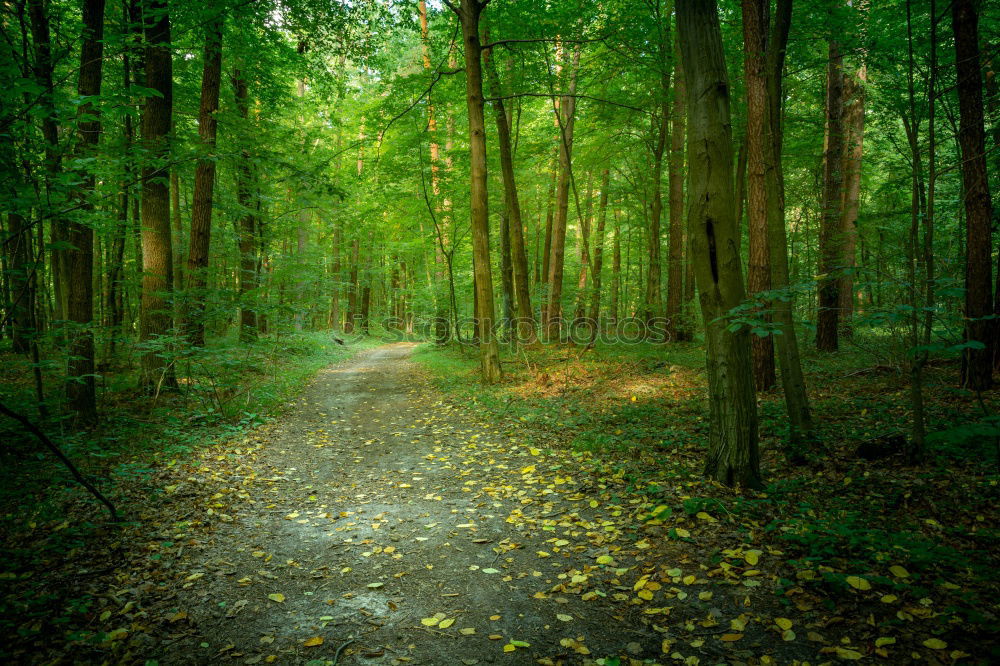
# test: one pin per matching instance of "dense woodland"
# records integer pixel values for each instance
(204, 203)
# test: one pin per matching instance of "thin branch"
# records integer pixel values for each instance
(36, 431)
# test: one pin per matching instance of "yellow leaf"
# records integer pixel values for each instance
(788, 635)
(935, 644)
(898, 571)
(562, 617)
(701, 515)
(494, 617)
(783, 622)
(467, 631)
(889, 598)
(280, 598)
(844, 653)
(444, 624)
(682, 533)
(605, 559)
(542, 553)
(705, 596)
(646, 594)
(533, 451)
(859, 583)
(509, 647)
(314, 641)
(641, 583)
(258, 553)
(689, 580)
(430, 621)
(752, 557)
(105, 616)
(881, 642)
(729, 638)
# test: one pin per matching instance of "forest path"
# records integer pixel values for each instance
(375, 523)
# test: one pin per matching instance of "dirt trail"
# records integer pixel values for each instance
(401, 530)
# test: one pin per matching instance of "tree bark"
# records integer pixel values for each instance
(854, 130)
(247, 225)
(792, 381)
(80, 386)
(567, 111)
(675, 252)
(733, 457)
(830, 241)
(157, 256)
(759, 271)
(616, 270)
(595, 295)
(489, 355)
(204, 184)
(977, 363)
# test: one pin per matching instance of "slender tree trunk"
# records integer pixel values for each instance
(20, 266)
(675, 252)
(352, 288)
(525, 318)
(567, 111)
(178, 230)
(854, 129)
(759, 272)
(977, 362)
(335, 278)
(792, 380)
(584, 232)
(247, 225)
(80, 385)
(616, 270)
(204, 184)
(652, 304)
(157, 255)
(602, 214)
(827, 316)
(489, 354)
(547, 244)
(732, 458)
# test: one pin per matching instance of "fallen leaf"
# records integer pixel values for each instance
(935, 644)
(280, 598)
(314, 641)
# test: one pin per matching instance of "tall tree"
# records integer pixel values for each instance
(978, 359)
(469, 12)
(660, 130)
(732, 457)
(247, 195)
(157, 266)
(602, 215)
(759, 269)
(792, 380)
(854, 131)
(80, 386)
(525, 318)
(830, 240)
(566, 116)
(675, 252)
(204, 182)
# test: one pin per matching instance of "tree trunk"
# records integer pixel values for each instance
(652, 305)
(525, 317)
(675, 265)
(759, 271)
(20, 265)
(178, 229)
(616, 270)
(157, 277)
(80, 387)
(830, 241)
(204, 184)
(977, 363)
(584, 232)
(547, 244)
(792, 381)
(335, 279)
(854, 130)
(595, 295)
(352, 288)
(567, 107)
(732, 458)
(247, 225)
(489, 354)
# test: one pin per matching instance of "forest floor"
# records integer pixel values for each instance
(401, 514)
